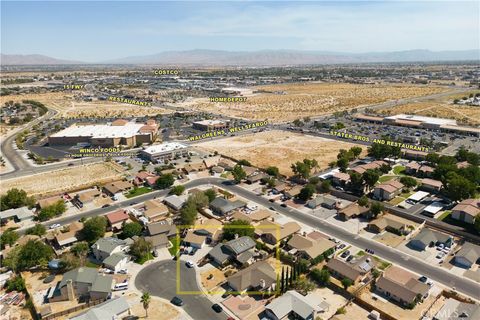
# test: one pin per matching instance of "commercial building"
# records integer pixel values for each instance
(211, 125)
(160, 153)
(117, 133)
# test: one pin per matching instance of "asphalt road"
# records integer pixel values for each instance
(463, 285)
(160, 279)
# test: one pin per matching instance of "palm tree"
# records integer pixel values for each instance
(146, 302)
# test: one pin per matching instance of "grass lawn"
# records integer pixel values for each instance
(444, 215)
(175, 245)
(137, 191)
(396, 201)
(381, 264)
(90, 264)
(145, 258)
(385, 178)
(398, 169)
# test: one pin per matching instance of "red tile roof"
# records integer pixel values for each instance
(117, 216)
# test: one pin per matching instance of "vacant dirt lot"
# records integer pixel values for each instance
(65, 179)
(442, 108)
(68, 107)
(277, 148)
(296, 100)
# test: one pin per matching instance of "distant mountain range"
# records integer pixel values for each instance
(259, 58)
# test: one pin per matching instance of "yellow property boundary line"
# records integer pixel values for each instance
(216, 227)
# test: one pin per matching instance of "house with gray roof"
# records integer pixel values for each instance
(162, 227)
(457, 310)
(257, 277)
(468, 255)
(222, 206)
(428, 237)
(83, 283)
(104, 247)
(355, 270)
(323, 201)
(293, 305)
(175, 202)
(116, 308)
(116, 261)
(236, 249)
(18, 214)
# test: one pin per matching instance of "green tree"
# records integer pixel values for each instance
(145, 300)
(15, 198)
(69, 261)
(51, 211)
(408, 182)
(356, 151)
(80, 249)
(199, 199)
(306, 192)
(34, 253)
(477, 224)
(131, 229)
(188, 213)
(8, 237)
(15, 284)
(432, 158)
(370, 177)
(356, 182)
(376, 208)
(238, 227)
(238, 173)
(346, 282)
(177, 190)
(342, 164)
(211, 194)
(273, 171)
(244, 162)
(325, 186)
(140, 248)
(94, 228)
(363, 201)
(301, 169)
(303, 285)
(459, 188)
(165, 181)
(321, 276)
(38, 230)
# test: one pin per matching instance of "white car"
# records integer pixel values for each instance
(55, 226)
(190, 264)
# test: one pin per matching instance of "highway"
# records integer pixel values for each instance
(414, 264)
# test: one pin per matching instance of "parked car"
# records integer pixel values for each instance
(345, 254)
(55, 226)
(123, 271)
(49, 278)
(218, 308)
(189, 264)
(106, 205)
(283, 205)
(350, 258)
(177, 301)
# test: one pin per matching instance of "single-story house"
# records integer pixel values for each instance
(390, 223)
(154, 210)
(222, 206)
(161, 228)
(194, 239)
(323, 201)
(141, 177)
(467, 210)
(292, 192)
(468, 255)
(17, 214)
(85, 197)
(355, 270)
(193, 167)
(116, 188)
(259, 276)
(256, 177)
(68, 238)
(388, 190)
(340, 179)
(211, 228)
(249, 170)
(431, 185)
(116, 219)
(211, 162)
(309, 248)
(227, 164)
(293, 305)
(256, 216)
(279, 187)
(276, 234)
(454, 309)
(104, 247)
(83, 282)
(425, 171)
(175, 202)
(46, 202)
(116, 261)
(401, 286)
(412, 167)
(116, 308)
(428, 237)
(352, 211)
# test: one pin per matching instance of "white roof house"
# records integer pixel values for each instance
(419, 195)
(304, 307)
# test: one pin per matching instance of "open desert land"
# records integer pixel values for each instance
(286, 102)
(278, 148)
(67, 107)
(441, 108)
(63, 180)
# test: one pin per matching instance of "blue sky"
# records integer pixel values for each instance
(97, 31)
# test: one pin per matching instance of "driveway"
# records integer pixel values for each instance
(159, 279)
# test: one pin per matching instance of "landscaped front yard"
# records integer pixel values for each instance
(137, 191)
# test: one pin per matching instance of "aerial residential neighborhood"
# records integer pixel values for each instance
(240, 160)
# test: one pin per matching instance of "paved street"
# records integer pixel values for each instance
(160, 280)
